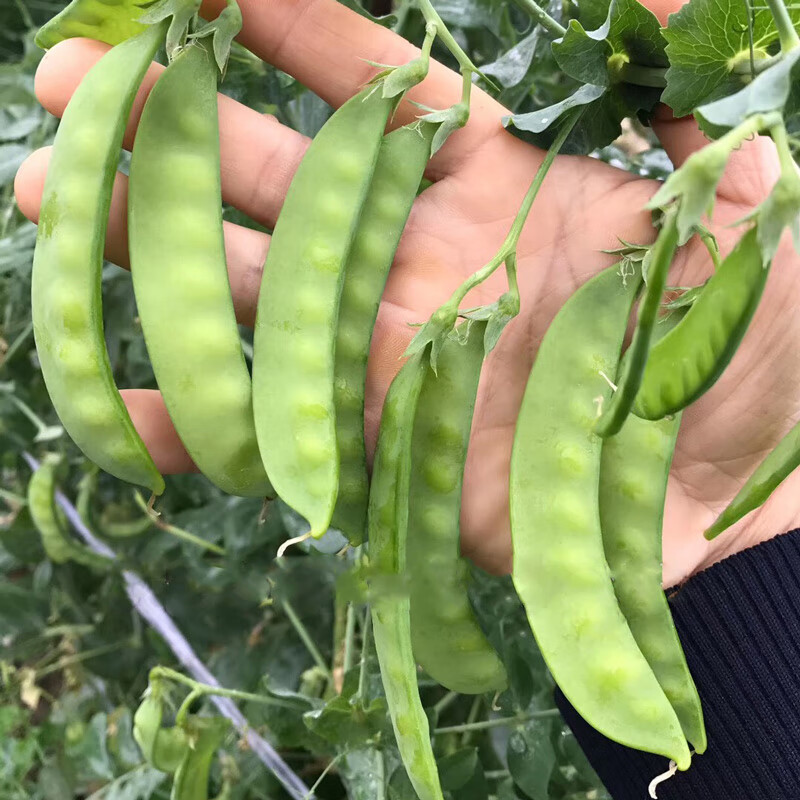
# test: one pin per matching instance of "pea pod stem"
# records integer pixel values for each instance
(174, 530)
(500, 722)
(198, 689)
(431, 16)
(622, 400)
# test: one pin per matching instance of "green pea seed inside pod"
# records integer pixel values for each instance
(634, 470)
(390, 608)
(560, 570)
(180, 275)
(298, 307)
(67, 268)
(401, 164)
(448, 641)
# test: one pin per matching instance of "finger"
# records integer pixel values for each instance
(328, 47)
(245, 249)
(259, 155)
(151, 420)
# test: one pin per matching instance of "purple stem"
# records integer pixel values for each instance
(146, 604)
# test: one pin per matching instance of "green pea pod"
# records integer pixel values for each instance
(60, 548)
(179, 272)
(206, 734)
(687, 362)
(769, 474)
(622, 400)
(634, 469)
(109, 21)
(390, 604)
(298, 307)
(401, 165)
(67, 265)
(448, 641)
(162, 747)
(559, 567)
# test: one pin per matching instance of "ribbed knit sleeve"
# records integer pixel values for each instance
(739, 622)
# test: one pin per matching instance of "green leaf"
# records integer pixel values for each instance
(780, 210)
(531, 757)
(462, 776)
(222, 30)
(584, 55)
(708, 46)
(539, 121)
(20, 610)
(512, 66)
(770, 91)
(362, 771)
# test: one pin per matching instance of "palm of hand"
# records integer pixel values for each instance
(455, 227)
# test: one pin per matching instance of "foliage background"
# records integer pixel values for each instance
(74, 656)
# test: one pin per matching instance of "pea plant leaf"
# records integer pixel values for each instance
(222, 31)
(709, 50)
(780, 210)
(770, 91)
(531, 757)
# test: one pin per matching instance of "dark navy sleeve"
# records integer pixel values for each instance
(739, 622)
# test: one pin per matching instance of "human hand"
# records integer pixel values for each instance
(457, 224)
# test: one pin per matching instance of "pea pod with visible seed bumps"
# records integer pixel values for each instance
(401, 164)
(58, 545)
(66, 281)
(687, 361)
(390, 603)
(298, 306)
(179, 273)
(109, 21)
(559, 567)
(634, 469)
(448, 641)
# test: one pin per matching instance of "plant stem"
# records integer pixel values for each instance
(540, 16)
(499, 722)
(173, 530)
(202, 689)
(783, 22)
(349, 638)
(445, 702)
(507, 252)
(68, 661)
(365, 633)
(302, 632)
(781, 139)
(331, 764)
(432, 18)
(643, 76)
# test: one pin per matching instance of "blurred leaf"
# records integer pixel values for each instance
(531, 757)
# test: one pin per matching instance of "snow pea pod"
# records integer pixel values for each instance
(298, 306)
(58, 545)
(205, 735)
(66, 282)
(687, 362)
(162, 747)
(109, 21)
(769, 474)
(634, 470)
(180, 276)
(448, 641)
(390, 603)
(401, 165)
(559, 567)
(636, 356)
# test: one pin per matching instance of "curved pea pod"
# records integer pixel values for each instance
(634, 470)
(687, 362)
(180, 275)
(447, 639)
(390, 604)
(769, 474)
(109, 21)
(205, 735)
(622, 400)
(162, 747)
(58, 545)
(400, 168)
(559, 569)
(67, 265)
(298, 306)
